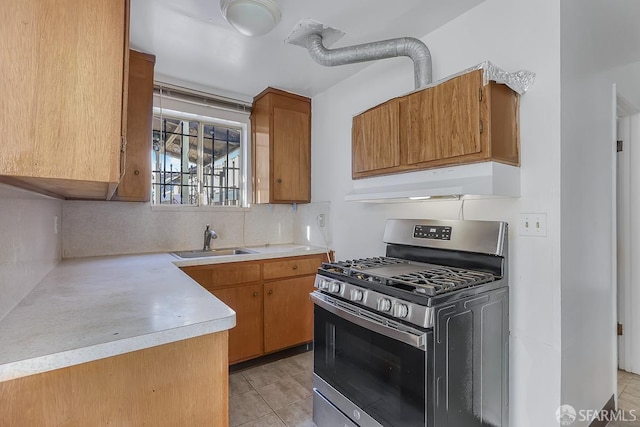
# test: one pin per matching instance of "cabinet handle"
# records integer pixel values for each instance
(255, 294)
(279, 181)
(295, 267)
(270, 291)
(136, 172)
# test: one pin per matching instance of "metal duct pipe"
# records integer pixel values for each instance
(404, 46)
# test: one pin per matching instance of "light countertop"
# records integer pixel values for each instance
(87, 309)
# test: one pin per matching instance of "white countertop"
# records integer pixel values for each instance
(87, 309)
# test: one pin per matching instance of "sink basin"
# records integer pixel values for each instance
(199, 253)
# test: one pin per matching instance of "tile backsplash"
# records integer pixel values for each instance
(30, 245)
(110, 228)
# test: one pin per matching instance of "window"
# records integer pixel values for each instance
(197, 160)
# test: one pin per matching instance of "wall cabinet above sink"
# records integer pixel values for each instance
(281, 147)
(455, 122)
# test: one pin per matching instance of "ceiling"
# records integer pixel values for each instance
(196, 47)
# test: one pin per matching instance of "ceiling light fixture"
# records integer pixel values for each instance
(251, 17)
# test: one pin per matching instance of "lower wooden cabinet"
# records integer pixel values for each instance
(288, 313)
(270, 298)
(184, 383)
(245, 340)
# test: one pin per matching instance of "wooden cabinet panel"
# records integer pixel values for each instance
(292, 267)
(291, 155)
(221, 275)
(455, 122)
(181, 383)
(270, 298)
(62, 94)
(375, 138)
(458, 116)
(288, 313)
(502, 130)
(245, 339)
(419, 126)
(281, 147)
(135, 184)
(444, 121)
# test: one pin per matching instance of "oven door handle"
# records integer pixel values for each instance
(407, 335)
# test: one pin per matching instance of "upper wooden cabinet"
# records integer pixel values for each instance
(62, 65)
(375, 138)
(458, 121)
(135, 185)
(281, 147)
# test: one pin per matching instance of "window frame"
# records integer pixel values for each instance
(233, 119)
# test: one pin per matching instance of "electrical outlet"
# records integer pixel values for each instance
(533, 224)
(321, 220)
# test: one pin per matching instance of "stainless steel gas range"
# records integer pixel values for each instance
(419, 337)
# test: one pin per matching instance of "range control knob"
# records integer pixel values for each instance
(334, 287)
(384, 304)
(400, 310)
(356, 295)
(323, 284)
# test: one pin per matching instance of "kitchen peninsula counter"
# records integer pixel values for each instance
(120, 340)
(88, 309)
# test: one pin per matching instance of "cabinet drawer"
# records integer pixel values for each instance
(215, 276)
(292, 267)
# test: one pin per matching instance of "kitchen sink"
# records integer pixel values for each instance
(199, 253)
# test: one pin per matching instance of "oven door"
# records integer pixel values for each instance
(373, 369)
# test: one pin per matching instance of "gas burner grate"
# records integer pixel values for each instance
(441, 279)
(347, 267)
(433, 280)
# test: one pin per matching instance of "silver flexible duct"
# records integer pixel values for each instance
(404, 46)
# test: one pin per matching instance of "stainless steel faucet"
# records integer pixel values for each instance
(208, 235)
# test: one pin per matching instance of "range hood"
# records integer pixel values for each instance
(486, 179)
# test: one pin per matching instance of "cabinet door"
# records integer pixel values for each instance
(291, 155)
(375, 139)
(245, 339)
(136, 182)
(458, 116)
(418, 117)
(288, 313)
(62, 68)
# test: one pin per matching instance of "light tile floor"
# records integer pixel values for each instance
(628, 399)
(277, 394)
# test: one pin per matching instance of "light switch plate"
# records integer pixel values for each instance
(533, 224)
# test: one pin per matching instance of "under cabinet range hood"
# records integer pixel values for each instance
(486, 179)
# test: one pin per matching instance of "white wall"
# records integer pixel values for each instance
(514, 34)
(30, 248)
(626, 79)
(588, 191)
(587, 231)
